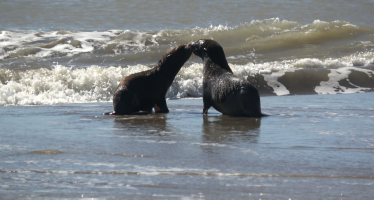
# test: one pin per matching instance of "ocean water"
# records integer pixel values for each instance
(78, 51)
(312, 62)
(311, 147)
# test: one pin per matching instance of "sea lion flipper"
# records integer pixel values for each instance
(207, 100)
(157, 109)
(123, 102)
(207, 105)
(161, 106)
(205, 110)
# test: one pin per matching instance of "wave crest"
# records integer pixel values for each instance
(61, 84)
(259, 36)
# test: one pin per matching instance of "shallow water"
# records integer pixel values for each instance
(310, 147)
(60, 62)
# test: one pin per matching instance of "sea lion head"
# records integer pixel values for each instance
(209, 50)
(178, 55)
(174, 59)
(203, 48)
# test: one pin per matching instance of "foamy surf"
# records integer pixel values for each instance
(62, 84)
(279, 57)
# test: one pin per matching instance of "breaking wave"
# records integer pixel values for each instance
(62, 84)
(279, 57)
(258, 40)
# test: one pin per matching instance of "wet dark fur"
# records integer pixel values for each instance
(224, 91)
(147, 89)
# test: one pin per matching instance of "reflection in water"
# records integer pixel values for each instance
(153, 123)
(230, 129)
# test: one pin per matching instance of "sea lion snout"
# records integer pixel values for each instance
(191, 46)
(183, 46)
(182, 51)
(197, 47)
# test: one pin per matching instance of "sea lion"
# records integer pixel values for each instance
(223, 90)
(145, 90)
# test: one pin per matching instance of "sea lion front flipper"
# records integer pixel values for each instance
(157, 109)
(205, 110)
(161, 106)
(123, 102)
(207, 105)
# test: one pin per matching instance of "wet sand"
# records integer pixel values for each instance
(311, 147)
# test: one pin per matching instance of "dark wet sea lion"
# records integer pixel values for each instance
(147, 89)
(224, 91)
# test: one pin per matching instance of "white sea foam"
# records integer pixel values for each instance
(171, 170)
(45, 44)
(332, 86)
(210, 144)
(61, 84)
(111, 165)
(272, 81)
